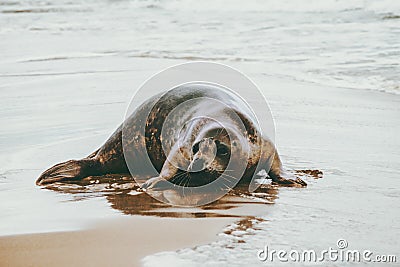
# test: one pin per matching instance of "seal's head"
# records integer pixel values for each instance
(207, 157)
(209, 154)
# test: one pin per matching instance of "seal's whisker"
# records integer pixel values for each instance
(180, 176)
(188, 178)
(227, 186)
(226, 170)
(185, 181)
(227, 175)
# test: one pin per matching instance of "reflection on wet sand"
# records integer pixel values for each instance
(124, 195)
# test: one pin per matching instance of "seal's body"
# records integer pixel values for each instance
(190, 136)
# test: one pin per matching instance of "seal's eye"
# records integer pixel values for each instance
(195, 148)
(222, 149)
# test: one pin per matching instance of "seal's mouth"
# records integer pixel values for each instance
(204, 152)
(198, 164)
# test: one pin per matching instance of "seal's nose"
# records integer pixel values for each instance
(197, 164)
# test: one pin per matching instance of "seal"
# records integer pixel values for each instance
(183, 145)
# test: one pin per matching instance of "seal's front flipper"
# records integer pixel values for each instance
(161, 182)
(69, 170)
(155, 184)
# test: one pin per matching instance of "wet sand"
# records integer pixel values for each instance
(148, 226)
(128, 239)
(121, 242)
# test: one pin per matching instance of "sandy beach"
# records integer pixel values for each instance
(69, 69)
(122, 242)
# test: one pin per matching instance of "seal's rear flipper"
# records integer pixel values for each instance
(297, 181)
(289, 182)
(92, 155)
(69, 170)
(317, 174)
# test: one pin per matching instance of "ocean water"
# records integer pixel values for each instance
(342, 43)
(68, 69)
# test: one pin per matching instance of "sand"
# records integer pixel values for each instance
(121, 242)
(125, 240)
